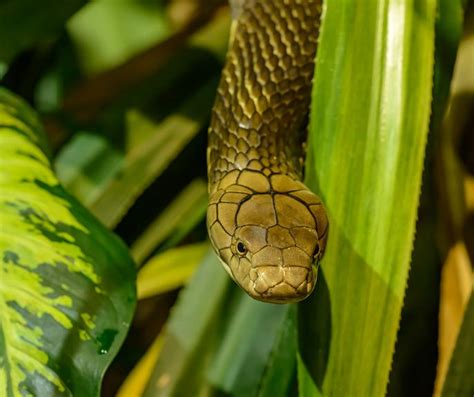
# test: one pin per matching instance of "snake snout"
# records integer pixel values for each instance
(282, 284)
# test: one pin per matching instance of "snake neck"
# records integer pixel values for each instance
(260, 113)
(257, 176)
(245, 141)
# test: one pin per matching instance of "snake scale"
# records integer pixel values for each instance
(268, 229)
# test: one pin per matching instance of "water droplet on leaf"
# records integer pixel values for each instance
(105, 340)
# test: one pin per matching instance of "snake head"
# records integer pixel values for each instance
(269, 232)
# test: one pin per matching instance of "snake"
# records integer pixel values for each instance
(267, 227)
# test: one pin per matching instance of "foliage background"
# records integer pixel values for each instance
(125, 89)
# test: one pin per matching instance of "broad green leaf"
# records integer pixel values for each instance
(67, 285)
(25, 22)
(170, 269)
(368, 130)
(176, 220)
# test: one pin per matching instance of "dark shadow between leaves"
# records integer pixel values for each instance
(314, 324)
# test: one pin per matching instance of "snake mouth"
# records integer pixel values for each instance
(278, 284)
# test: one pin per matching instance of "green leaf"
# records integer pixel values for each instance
(143, 165)
(418, 329)
(191, 334)
(170, 269)
(306, 386)
(25, 22)
(449, 28)
(135, 383)
(220, 340)
(86, 165)
(280, 365)
(246, 348)
(176, 220)
(369, 125)
(67, 290)
(121, 30)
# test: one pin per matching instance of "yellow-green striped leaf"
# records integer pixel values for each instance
(369, 125)
(67, 285)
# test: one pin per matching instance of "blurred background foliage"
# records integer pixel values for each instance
(125, 88)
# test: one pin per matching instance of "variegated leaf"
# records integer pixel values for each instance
(67, 285)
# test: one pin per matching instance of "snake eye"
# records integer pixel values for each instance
(241, 248)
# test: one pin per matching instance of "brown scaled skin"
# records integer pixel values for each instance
(267, 227)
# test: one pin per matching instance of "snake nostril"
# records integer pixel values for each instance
(317, 251)
(281, 284)
(303, 287)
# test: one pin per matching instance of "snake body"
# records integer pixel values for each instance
(266, 226)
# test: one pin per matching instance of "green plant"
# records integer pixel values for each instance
(67, 289)
(129, 143)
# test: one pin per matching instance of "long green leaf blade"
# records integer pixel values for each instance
(219, 341)
(247, 348)
(67, 285)
(191, 334)
(186, 210)
(143, 165)
(86, 164)
(369, 124)
(170, 269)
